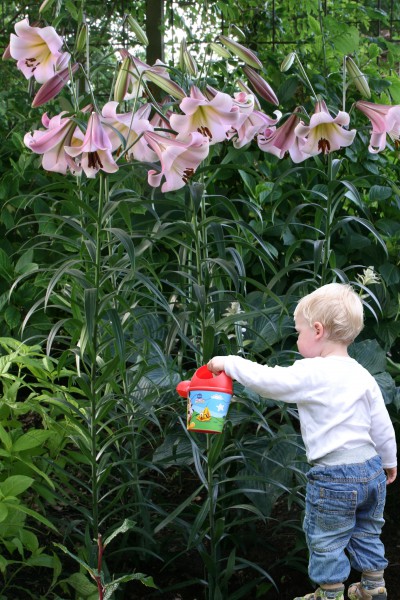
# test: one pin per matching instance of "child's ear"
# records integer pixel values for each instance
(318, 329)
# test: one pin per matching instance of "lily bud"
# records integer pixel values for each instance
(235, 29)
(165, 83)
(45, 4)
(186, 60)
(137, 30)
(7, 53)
(80, 43)
(220, 50)
(287, 62)
(260, 86)
(122, 81)
(242, 52)
(358, 78)
(54, 85)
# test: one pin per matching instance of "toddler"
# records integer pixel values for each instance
(348, 436)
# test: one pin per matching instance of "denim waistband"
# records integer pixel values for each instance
(346, 457)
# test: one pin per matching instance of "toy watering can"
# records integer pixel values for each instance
(208, 399)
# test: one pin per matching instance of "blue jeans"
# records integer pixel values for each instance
(344, 512)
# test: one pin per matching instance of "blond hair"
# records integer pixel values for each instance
(337, 307)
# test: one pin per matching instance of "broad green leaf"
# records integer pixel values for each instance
(82, 585)
(380, 193)
(31, 439)
(348, 41)
(15, 485)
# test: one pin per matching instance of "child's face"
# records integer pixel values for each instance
(309, 340)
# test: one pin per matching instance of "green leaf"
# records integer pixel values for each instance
(31, 513)
(172, 516)
(32, 439)
(370, 355)
(380, 193)
(348, 41)
(15, 485)
(314, 25)
(4, 436)
(126, 526)
(82, 585)
(77, 558)
(3, 512)
(12, 317)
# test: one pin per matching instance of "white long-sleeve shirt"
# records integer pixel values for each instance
(340, 404)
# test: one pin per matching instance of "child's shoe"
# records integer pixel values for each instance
(357, 592)
(319, 594)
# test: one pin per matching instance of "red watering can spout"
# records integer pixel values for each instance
(183, 388)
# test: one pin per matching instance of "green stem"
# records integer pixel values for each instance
(93, 366)
(328, 221)
(321, 25)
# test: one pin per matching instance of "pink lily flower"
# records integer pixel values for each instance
(283, 139)
(36, 50)
(130, 126)
(385, 119)
(325, 133)
(94, 150)
(212, 118)
(251, 121)
(179, 158)
(51, 143)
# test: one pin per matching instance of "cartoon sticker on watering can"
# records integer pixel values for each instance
(208, 399)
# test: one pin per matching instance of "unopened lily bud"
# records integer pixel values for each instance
(137, 30)
(80, 43)
(220, 50)
(288, 61)
(166, 84)
(260, 86)
(54, 85)
(45, 4)
(237, 31)
(122, 81)
(186, 60)
(358, 78)
(242, 52)
(7, 53)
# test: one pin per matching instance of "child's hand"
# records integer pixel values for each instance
(391, 475)
(216, 364)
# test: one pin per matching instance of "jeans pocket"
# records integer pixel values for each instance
(380, 500)
(336, 509)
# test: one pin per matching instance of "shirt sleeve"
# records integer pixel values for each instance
(382, 430)
(286, 384)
